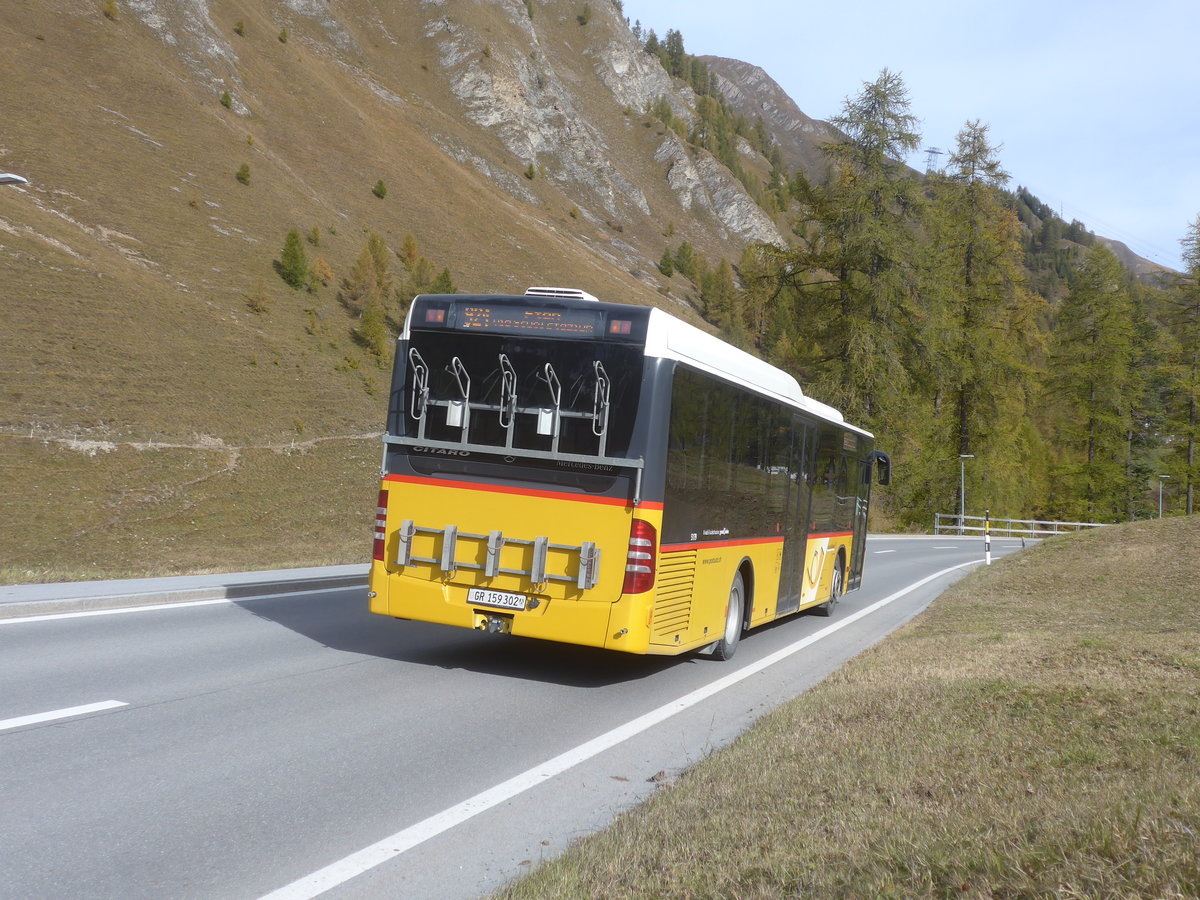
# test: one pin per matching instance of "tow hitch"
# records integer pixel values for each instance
(493, 624)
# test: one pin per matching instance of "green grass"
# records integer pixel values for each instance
(1036, 733)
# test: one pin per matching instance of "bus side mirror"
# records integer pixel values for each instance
(883, 464)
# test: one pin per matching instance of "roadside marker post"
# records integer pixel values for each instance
(987, 536)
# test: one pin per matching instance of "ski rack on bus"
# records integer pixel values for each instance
(449, 563)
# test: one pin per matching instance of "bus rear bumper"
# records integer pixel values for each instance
(586, 622)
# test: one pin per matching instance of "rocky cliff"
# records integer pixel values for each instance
(755, 94)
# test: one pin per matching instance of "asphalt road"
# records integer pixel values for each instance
(297, 744)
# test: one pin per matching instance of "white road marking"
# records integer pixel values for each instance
(53, 715)
(87, 614)
(880, 552)
(183, 604)
(402, 841)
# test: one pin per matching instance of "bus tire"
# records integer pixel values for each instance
(836, 587)
(735, 614)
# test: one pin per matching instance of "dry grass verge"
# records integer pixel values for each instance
(1035, 733)
(128, 512)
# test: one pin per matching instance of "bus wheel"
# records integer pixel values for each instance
(734, 616)
(835, 589)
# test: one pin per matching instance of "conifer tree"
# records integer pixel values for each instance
(1092, 387)
(422, 275)
(856, 290)
(666, 265)
(760, 291)
(698, 75)
(981, 324)
(361, 286)
(1184, 323)
(419, 281)
(372, 331)
(762, 137)
(719, 302)
(408, 252)
(1150, 373)
(293, 264)
(379, 259)
(443, 283)
(685, 261)
(676, 63)
(320, 274)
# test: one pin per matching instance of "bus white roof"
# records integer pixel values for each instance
(670, 338)
(561, 293)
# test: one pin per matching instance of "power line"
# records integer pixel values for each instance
(1138, 244)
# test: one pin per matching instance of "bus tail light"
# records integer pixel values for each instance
(639, 564)
(381, 526)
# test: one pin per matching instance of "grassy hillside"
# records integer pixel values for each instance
(107, 511)
(129, 261)
(1035, 733)
(139, 301)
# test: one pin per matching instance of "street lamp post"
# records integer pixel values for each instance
(962, 490)
(1161, 479)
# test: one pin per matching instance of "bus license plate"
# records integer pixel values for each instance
(502, 599)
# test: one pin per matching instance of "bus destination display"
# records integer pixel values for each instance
(508, 319)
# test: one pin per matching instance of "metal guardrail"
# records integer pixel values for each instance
(952, 523)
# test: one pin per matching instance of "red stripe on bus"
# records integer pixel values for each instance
(832, 534)
(522, 492)
(705, 545)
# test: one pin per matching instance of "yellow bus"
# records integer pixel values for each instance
(608, 475)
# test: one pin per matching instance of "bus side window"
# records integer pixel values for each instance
(845, 495)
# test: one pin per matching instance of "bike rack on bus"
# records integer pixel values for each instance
(600, 404)
(586, 577)
(459, 410)
(549, 418)
(420, 395)
(508, 398)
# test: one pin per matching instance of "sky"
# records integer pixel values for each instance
(1095, 106)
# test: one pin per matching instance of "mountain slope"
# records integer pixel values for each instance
(162, 388)
(128, 261)
(754, 94)
(171, 145)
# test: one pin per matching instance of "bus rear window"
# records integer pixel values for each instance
(552, 401)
